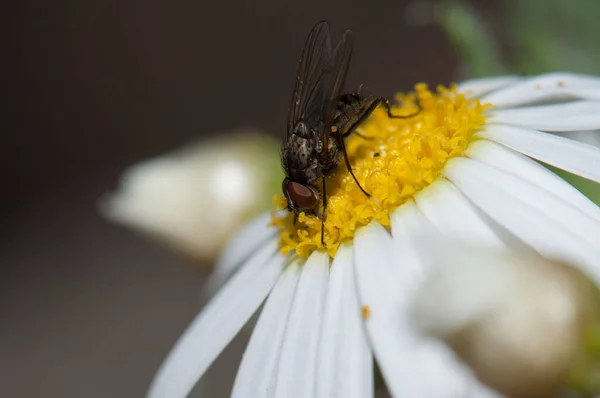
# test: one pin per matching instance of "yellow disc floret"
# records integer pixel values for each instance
(392, 159)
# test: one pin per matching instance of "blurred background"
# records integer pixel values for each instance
(90, 308)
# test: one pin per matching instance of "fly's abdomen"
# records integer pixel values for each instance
(349, 109)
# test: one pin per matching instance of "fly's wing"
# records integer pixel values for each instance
(340, 61)
(328, 86)
(312, 82)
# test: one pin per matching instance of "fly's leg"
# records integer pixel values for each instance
(372, 106)
(343, 146)
(351, 130)
(324, 212)
(361, 136)
(386, 104)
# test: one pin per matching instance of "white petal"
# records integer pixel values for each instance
(217, 324)
(453, 214)
(256, 375)
(298, 363)
(564, 213)
(551, 226)
(544, 88)
(412, 365)
(345, 364)
(590, 137)
(407, 223)
(247, 240)
(478, 87)
(453, 295)
(573, 116)
(513, 162)
(569, 155)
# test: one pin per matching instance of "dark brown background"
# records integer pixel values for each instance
(90, 309)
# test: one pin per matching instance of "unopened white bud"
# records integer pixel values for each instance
(194, 198)
(517, 320)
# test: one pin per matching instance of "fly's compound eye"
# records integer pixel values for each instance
(299, 196)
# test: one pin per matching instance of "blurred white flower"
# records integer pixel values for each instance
(195, 197)
(459, 167)
(519, 320)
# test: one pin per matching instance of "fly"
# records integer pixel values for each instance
(321, 116)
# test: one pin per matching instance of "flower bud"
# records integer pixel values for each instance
(195, 197)
(521, 322)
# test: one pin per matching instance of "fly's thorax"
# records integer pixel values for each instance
(300, 158)
(302, 129)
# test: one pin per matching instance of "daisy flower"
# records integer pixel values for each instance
(462, 166)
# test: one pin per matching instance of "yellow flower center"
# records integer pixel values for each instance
(393, 159)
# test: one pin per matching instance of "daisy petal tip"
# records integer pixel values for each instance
(373, 227)
(318, 257)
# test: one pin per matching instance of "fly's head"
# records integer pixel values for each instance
(301, 165)
(300, 197)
